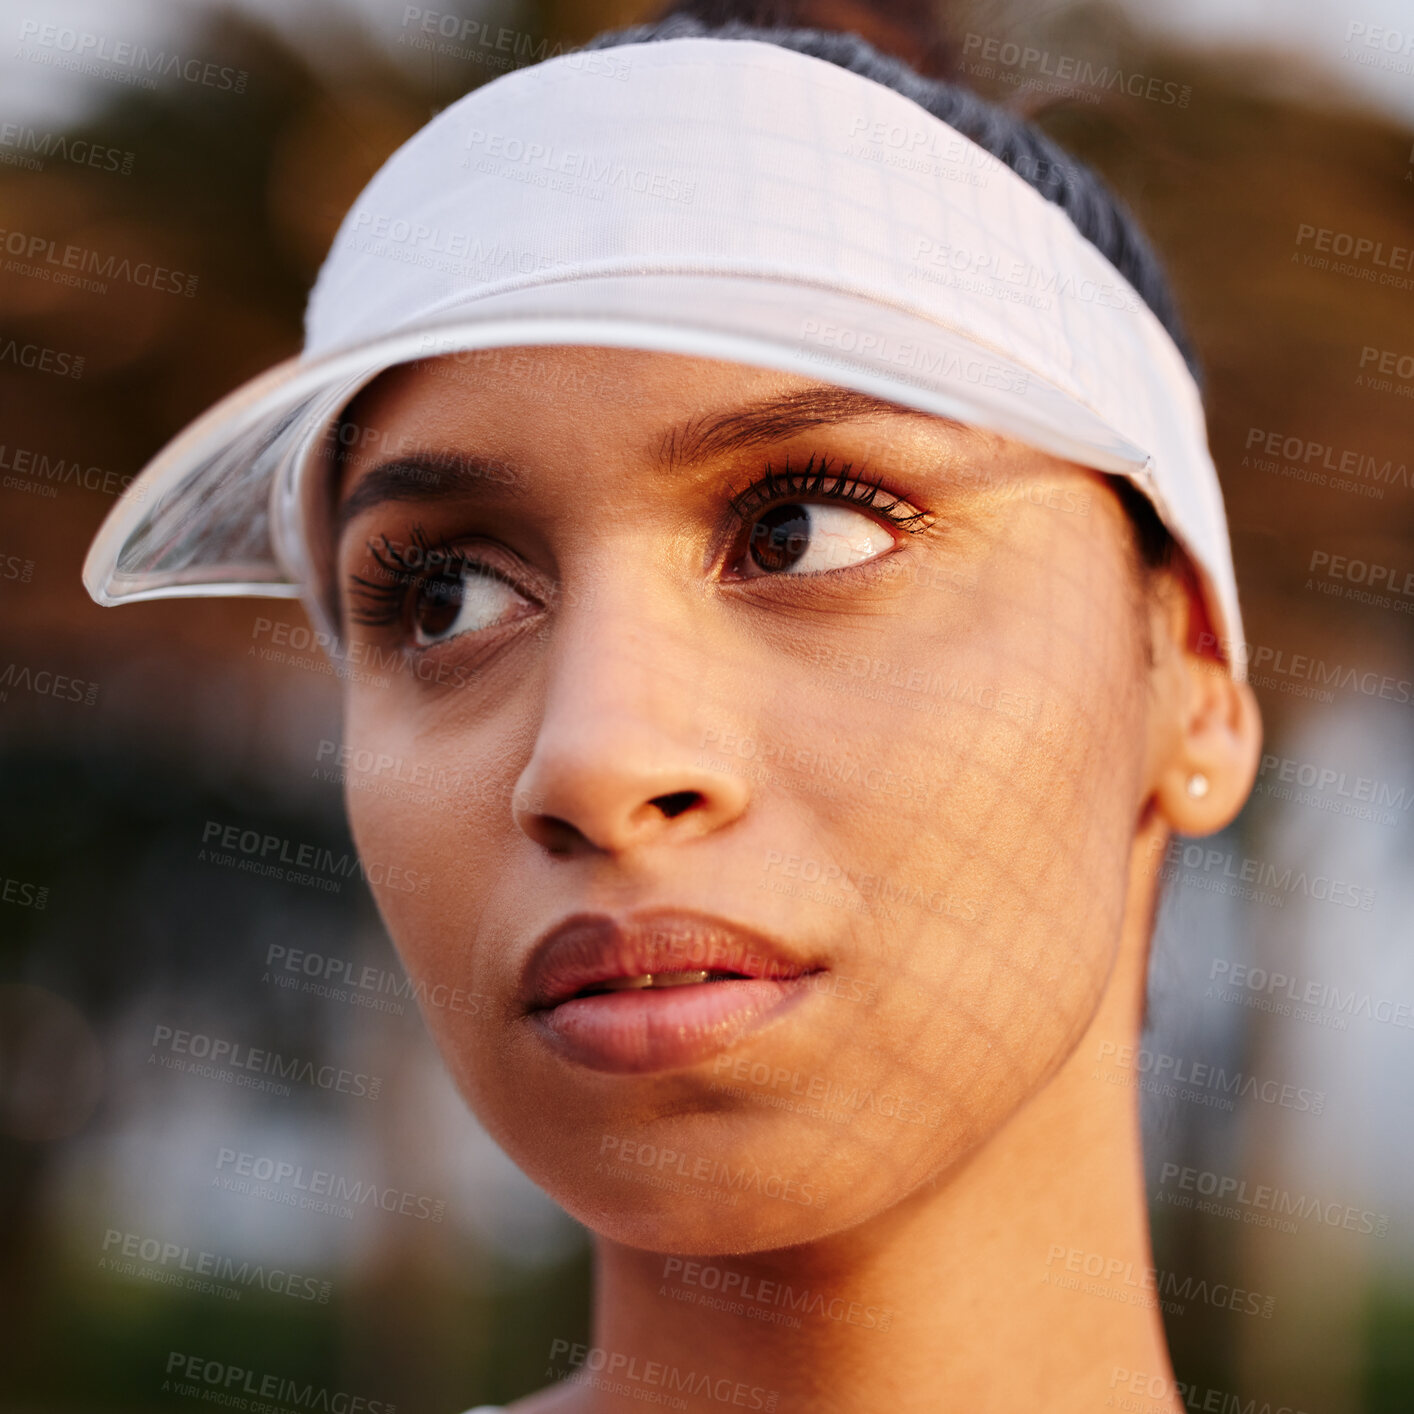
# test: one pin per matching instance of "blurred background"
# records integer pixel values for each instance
(430, 1275)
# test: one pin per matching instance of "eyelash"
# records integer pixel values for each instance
(775, 488)
(383, 604)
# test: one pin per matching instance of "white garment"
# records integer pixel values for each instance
(752, 204)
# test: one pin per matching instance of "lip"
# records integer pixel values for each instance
(640, 1031)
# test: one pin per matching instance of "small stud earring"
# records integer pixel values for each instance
(1197, 785)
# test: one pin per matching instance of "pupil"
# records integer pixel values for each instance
(439, 601)
(780, 537)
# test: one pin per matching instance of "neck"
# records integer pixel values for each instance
(976, 1292)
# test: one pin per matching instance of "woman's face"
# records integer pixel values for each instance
(831, 717)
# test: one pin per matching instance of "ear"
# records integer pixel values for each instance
(1211, 738)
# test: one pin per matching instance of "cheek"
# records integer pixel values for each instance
(1026, 728)
(425, 801)
(436, 931)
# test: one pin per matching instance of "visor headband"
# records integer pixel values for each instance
(726, 198)
(701, 156)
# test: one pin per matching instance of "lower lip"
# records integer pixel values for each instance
(664, 1028)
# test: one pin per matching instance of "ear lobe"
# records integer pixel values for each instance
(1209, 775)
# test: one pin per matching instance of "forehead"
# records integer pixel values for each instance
(630, 389)
(617, 377)
(674, 411)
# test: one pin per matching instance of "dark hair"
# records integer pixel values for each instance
(1095, 211)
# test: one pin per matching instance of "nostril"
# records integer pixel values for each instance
(556, 835)
(674, 804)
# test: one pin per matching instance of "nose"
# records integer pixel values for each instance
(618, 763)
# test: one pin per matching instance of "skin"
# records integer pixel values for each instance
(1031, 787)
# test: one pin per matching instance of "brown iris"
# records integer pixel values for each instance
(780, 537)
(436, 604)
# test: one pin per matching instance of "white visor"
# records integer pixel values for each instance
(727, 199)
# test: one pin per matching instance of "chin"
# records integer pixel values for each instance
(719, 1183)
(698, 1222)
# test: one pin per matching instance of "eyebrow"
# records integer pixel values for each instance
(423, 477)
(775, 419)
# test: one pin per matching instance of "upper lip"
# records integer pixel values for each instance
(590, 948)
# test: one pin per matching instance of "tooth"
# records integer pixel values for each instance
(645, 980)
(626, 984)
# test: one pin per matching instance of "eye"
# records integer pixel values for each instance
(816, 519)
(432, 593)
(799, 537)
(469, 598)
